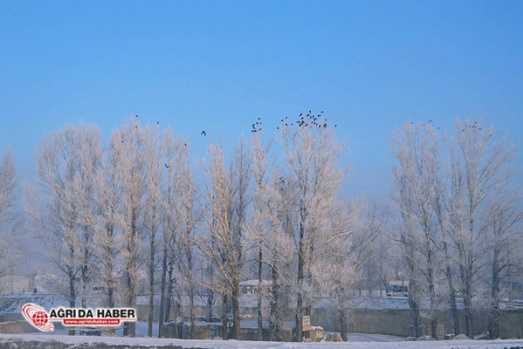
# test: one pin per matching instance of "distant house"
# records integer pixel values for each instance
(250, 287)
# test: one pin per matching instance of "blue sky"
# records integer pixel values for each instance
(218, 65)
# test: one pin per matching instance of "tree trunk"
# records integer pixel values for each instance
(494, 293)
(274, 326)
(260, 292)
(301, 264)
(151, 290)
(414, 308)
(72, 290)
(236, 311)
(191, 311)
(210, 296)
(162, 293)
(342, 314)
(225, 317)
(453, 305)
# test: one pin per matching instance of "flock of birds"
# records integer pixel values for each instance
(311, 120)
(474, 126)
(203, 133)
(308, 120)
(430, 122)
(304, 121)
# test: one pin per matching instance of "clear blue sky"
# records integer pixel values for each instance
(218, 65)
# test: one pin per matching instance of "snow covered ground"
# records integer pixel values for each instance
(357, 341)
(221, 344)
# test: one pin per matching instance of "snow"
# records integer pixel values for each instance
(363, 342)
(255, 283)
(357, 341)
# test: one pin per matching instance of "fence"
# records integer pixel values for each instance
(397, 322)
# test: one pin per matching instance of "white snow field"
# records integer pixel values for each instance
(451, 344)
(357, 342)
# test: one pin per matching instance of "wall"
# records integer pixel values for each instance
(397, 321)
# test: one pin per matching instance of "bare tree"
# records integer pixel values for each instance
(417, 149)
(173, 150)
(186, 220)
(501, 243)
(106, 229)
(312, 164)
(8, 196)
(379, 264)
(479, 163)
(259, 228)
(343, 254)
(62, 202)
(279, 249)
(226, 192)
(153, 154)
(127, 153)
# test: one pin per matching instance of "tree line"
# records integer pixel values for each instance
(139, 215)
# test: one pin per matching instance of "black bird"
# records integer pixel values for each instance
(253, 126)
(136, 115)
(259, 119)
(166, 166)
(203, 133)
(185, 144)
(300, 114)
(157, 122)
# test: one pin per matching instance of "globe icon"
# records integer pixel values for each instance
(40, 318)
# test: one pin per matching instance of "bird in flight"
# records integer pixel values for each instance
(166, 166)
(203, 133)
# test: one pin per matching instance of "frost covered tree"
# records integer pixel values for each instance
(312, 168)
(169, 253)
(153, 155)
(417, 177)
(186, 219)
(342, 256)
(480, 163)
(61, 204)
(258, 231)
(502, 243)
(226, 193)
(8, 196)
(128, 155)
(106, 230)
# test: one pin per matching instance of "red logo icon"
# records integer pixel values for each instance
(37, 317)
